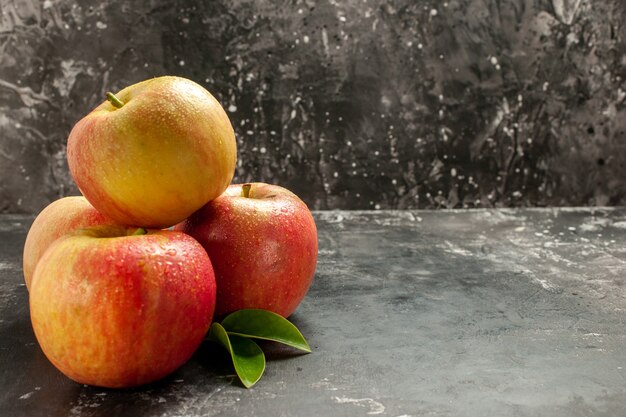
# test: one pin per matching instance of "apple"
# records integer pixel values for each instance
(57, 219)
(262, 241)
(153, 153)
(116, 308)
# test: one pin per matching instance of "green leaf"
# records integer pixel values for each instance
(263, 324)
(247, 356)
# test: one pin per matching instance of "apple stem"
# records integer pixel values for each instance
(245, 190)
(140, 231)
(116, 102)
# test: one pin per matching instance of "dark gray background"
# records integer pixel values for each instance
(352, 104)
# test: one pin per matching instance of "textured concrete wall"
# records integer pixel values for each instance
(351, 104)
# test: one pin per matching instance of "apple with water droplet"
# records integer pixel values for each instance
(262, 240)
(116, 306)
(57, 219)
(153, 153)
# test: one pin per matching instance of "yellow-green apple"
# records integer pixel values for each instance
(113, 307)
(262, 241)
(153, 153)
(57, 219)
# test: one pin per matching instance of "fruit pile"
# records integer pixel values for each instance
(124, 282)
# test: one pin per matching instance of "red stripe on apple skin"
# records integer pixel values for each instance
(124, 311)
(57, 219)
(87, 161)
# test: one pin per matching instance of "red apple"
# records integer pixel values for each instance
(262, 241)
(153, 153)
(115, 309)
(57, 219)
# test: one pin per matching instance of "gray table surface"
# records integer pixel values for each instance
(411, 313)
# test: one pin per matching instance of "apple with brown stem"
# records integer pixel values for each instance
(118, 307)
(153, 153)
(262, 241)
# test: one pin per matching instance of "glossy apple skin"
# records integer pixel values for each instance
(114, 310)
(168, 151)
(263, 247)
(57, 219)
